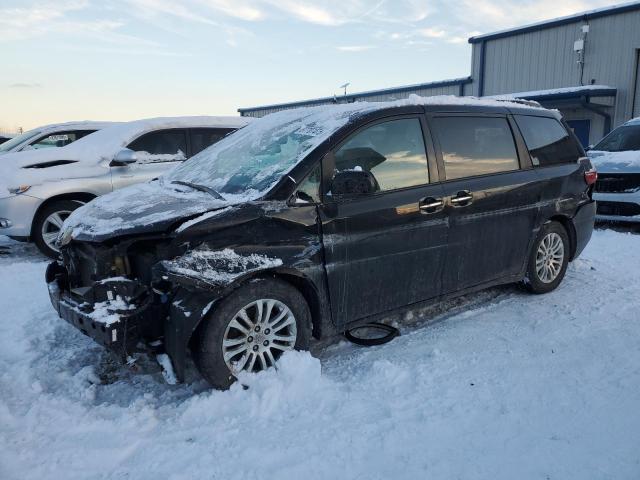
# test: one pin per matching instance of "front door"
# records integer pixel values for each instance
(492, 201)
(384, 249)
(157, 152)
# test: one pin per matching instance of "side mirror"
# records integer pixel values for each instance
(123, 158)
(353, 182)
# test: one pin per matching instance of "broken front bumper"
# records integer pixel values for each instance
(77, 306)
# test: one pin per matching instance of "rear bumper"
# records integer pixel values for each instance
(618, 207)
(117, 329)
(583, 222)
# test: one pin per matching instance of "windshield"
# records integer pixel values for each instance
(252, 160)
(17, 140)
(622, 139)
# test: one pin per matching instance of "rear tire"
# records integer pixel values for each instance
(549, 259)
(244, 332)
(48, 223)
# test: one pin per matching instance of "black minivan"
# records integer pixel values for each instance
(309, 222)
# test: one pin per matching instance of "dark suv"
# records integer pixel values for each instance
(309, 222)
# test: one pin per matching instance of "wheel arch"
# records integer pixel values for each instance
(570, 229)
(82, 197)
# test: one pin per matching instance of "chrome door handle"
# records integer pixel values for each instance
(462, 198)
(432, 205)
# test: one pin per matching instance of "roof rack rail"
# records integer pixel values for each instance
(522, 101)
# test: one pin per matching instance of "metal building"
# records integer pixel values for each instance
(587, 65)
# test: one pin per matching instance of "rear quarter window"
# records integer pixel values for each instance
(548, 141)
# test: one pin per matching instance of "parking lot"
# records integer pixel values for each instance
(500, 384)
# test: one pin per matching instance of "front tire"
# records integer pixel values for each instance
(250, 329)
(48, 223)
(549, 259)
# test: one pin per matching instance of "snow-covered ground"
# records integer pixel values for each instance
(501, 385)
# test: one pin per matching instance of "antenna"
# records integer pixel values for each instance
(345, 87)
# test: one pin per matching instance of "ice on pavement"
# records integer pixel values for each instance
(512, 386)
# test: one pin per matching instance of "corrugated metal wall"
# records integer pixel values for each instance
(545, 59)
(636, 107)
(383, 96)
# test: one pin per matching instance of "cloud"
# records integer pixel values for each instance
(490, 15)
(432, 32)
(25, 85)
(354, 48)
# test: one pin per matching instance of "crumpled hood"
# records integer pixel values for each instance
(143, 208)
(615, 162)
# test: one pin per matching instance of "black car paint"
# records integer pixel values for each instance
(352, 259)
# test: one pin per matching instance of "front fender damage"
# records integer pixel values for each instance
(201, 277)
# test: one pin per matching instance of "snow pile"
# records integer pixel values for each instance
(219, 267)
(501, 385)
(612, 162)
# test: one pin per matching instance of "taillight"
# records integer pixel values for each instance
(590, 176)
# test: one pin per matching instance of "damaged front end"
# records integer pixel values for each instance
(127, 293)
(119, 296)
(108, 293)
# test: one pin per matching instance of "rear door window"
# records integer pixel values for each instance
(548, 141)
(202, 138)
(59, 139)
(393, 152)
(161, 146)
(473, 146)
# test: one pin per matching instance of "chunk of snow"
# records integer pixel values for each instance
(218, 267)
(107, 312)
(168, 373)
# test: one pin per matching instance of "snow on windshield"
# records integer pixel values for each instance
(253, 159)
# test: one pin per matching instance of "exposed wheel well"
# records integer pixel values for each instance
(78, 196)
(306, 288)
(571, 232)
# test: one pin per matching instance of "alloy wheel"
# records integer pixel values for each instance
(258, 335)
(51, 228)
(549, 257)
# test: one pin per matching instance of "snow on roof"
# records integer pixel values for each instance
(583, 89)
(633, 121)
(92, 149)
(109, 140)
(74, 125)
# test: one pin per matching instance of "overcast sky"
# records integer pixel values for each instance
(125, 59)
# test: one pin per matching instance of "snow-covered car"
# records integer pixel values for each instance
(617, 159)
(39, 188)
(308, 222)
(50, 136)
(5, 138)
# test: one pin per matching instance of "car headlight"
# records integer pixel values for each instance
(19, 190)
